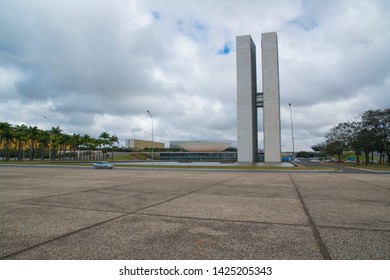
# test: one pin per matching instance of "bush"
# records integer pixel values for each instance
(303, 154)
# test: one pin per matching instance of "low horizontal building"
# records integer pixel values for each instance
(203, 156)
(200, 146)
(199, 156)
(138, 144)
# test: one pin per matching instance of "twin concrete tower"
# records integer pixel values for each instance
(248, 99)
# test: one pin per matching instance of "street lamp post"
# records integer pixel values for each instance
(49, 138)
(292, 132)
(152, 133)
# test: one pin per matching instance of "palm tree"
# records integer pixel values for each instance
(64, 142)
(87, 143)
(104, 141)
(6, 137)
(33, 134)
(44, 141)
(56, 138)
(75, 142)
(21, 136)
(113, 139)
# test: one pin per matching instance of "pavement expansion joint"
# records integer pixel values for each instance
(185, 194)
(75, 208)
(11, 255)
(324, 198)
(320, 243)
(218, 220)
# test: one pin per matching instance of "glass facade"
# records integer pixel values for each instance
(203, 156)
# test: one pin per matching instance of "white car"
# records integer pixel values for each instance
(103, 165)
(314, 161)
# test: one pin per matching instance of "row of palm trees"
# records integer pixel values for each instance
(18, 140)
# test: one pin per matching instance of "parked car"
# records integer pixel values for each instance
(103, 165)
(314, 161)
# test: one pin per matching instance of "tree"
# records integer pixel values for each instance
(75, 143)
(104, 141)
(351, 133)
(371, 133)
(6, 137)
(335, 148)
(61, 144)
(64, 143)
(56, 134)
(44, 141)
(113, 139)
(384, 139)
(321, 147)
(346, 135)
(303, 154)
(335, 142)
(87, 144)
(377, 124)
(33, 134)
(21, 136)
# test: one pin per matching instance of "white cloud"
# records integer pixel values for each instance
(9, 78)
(95, 66)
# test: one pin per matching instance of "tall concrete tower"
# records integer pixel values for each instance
(271, 94)
(248, 100)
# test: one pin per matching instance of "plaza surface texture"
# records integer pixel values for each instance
(79, 213)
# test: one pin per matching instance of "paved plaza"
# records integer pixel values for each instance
(82, 213)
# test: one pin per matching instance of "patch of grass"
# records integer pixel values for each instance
(348, 155)
(136, 156)
(125, 157)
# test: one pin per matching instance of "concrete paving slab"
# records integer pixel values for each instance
(261, 179)
(350, 213)
(103, 200)
(275, 210)
(143, 237)
(354, 244)
(372, 179)
(339, 187)
(23, 226)
(31, 183)
(23, 191)
(177, 185)
(251, 191)
(255, 185)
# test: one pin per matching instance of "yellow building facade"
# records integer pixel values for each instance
(139, 144)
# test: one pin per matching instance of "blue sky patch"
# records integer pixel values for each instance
(156, 15)
(304, 23)
(193, 29)
(225, 50)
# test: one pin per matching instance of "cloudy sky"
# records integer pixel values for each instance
(98, 65)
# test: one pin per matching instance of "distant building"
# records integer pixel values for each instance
(138, 144)
(200, 146)
(199, 156)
